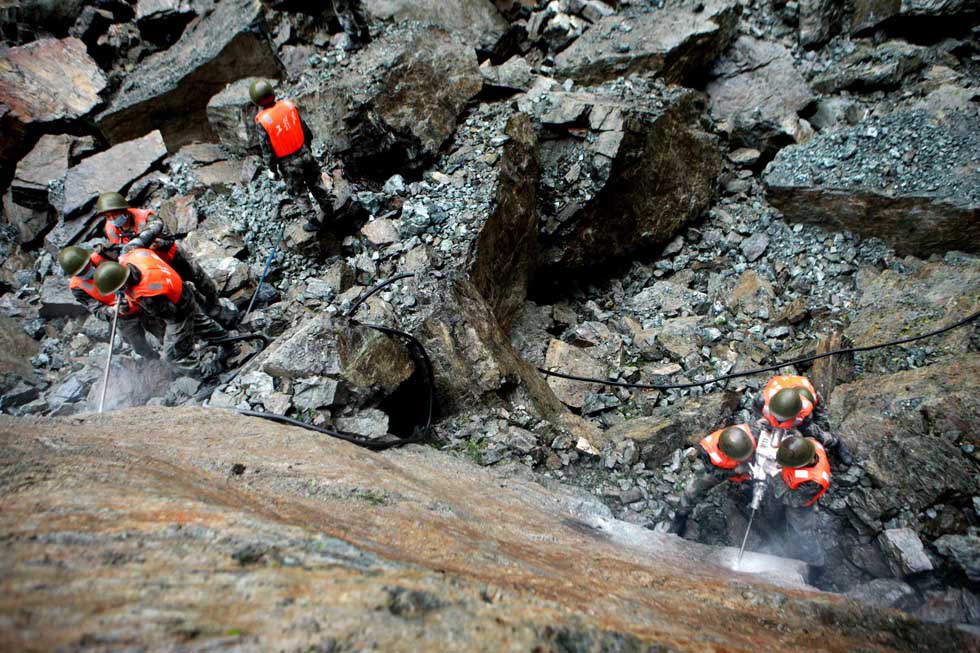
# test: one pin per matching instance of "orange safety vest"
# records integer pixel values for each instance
(140, 218)
(156, 277)
(818, 473)
(719, 459)
(281, 122)
(782, 382)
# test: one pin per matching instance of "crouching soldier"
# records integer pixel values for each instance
(80, 265)
(724, 455)
(285, 140)
(127, 229)
(790, 402)
(147, 281)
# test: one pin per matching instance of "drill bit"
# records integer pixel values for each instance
(745, 539)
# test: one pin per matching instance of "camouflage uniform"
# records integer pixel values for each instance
(301, 173)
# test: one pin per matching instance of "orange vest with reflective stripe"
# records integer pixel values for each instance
(281, 123)
(140, 218)
(719, 459)
(156, 277)
(783, 382)
(819, 473)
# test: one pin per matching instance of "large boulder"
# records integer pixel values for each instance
(870, 15)
(49, 81)
(911, 299)
(672, 427)
(636, 161)
(398, 102)
(231, 115)
(909, 178)
(675, 42)
(512, 227)
(476, 21)
(115, 169)
(169, 91)
(819, 20)
(757, 95)
(226, 532)
(16, 350)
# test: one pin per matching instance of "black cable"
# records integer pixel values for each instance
(367, 294)
(360, 440)
(796, 361)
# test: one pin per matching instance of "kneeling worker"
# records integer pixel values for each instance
(147, 281)
(80, 265)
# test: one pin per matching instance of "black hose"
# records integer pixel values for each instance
(368, 293)
(796, 361)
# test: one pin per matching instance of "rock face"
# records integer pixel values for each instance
(507, 247)
(41, 83)
(819, 21)
(908, 178)
(913, 420)
(643, 169)
(398, 105)
(922, 296)
(251, 521)
(674, 42)
(476, 21)
(757, 95)
(567, 359)
(170, 90)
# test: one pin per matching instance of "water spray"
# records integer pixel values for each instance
(108, 360)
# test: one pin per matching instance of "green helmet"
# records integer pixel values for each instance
(110, 277)
(786, 404)
(110, 202)
(261, 91)
(795, 451)
(806, 394)
(736, 444)
(73, 259)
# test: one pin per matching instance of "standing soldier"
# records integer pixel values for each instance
(128, 228)
(80, 265)
(285, 142)
(147, 281)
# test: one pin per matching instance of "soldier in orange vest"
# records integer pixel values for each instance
(80, 265)
(725, 455)
(790, 401)
(285, 140)
(127, 228)
(148, 282)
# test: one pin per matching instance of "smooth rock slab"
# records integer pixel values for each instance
(674, 42)
(237, 525)
(112, 170)
(909, 178)
(567, 359)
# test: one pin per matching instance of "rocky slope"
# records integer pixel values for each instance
(640, 191)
